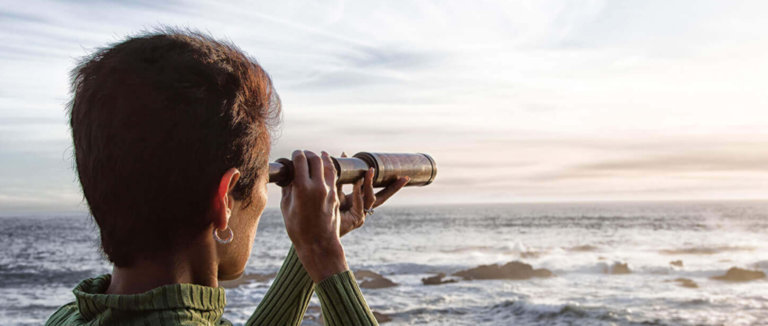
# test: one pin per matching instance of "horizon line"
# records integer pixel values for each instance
(28, 212)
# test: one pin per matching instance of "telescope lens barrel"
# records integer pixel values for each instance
(421, 168)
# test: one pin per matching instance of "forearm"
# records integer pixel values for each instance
(322, 259)
(288, 296)
(342, 302)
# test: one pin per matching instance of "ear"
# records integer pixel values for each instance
(223, 202)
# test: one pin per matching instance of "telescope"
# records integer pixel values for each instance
(421, 168)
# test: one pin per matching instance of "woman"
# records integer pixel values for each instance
(171, 141)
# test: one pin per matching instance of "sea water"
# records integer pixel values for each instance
(44, 256)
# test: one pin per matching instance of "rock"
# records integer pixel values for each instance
(678, 263)
(686, 283)
(583, 248)
(530, 254)
(377, 284)
(365, 273)
(513, 270)
(437, 279)
(381, 318)
(736, 274)
(372, 280)
(618, 268)
(704, 250)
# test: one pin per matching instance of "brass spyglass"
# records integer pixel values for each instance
(421, 168)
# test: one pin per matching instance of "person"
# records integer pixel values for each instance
(171, 132)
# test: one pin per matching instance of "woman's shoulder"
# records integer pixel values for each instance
(173, 304)
(65, 315)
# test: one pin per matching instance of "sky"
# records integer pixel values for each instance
(517, 101)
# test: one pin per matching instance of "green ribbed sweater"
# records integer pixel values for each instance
(286, 301)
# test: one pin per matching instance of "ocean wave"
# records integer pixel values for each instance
(517, 248)
(705, 250)
(411, 268)
(521, 312)
(761, 264)
(525, 312)
(25, 279)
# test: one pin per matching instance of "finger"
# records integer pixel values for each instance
(357, 198)
(390, 190)
(315, 166)
(300, 169)
(342, 196)
(329, 169)
(340, 191)
(368, 197)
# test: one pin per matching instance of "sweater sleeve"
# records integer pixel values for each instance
(288, 296)
(342, 302)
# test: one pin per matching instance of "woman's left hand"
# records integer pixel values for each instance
(353, 206)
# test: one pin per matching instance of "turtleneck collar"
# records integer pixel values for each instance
(92, 302)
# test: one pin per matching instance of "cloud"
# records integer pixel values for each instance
(542, 100)
(689, 162)
(697, 164)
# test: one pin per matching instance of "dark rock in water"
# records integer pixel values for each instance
(583, 248)
(685, 282)
(513, 270)
(618, 268)
(377, 283)
(381, 318)
(530, 254)
(736, 274)
(678, 263)
(437, 279)
(365, 273)
(372, 280)
(704, 250)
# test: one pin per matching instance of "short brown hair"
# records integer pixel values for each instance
(156, 121)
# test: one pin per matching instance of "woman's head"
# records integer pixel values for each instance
(158, 121)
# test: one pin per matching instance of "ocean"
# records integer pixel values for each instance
(584, 246)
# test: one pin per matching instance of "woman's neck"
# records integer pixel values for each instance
(191, 266)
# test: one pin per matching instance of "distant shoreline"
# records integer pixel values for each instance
(70, 213)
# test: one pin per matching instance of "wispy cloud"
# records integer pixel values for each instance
(516, 100)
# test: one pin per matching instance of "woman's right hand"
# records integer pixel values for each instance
(310, 207)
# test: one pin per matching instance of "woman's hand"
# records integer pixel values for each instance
(353, 206)
(310, 209)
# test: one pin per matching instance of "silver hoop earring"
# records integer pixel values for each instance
(226, 240)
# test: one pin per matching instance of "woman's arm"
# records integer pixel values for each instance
(342, 302)
(287, 299)
(288, 296)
